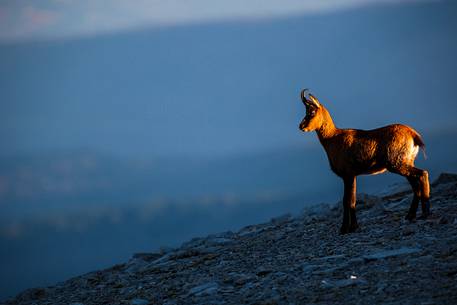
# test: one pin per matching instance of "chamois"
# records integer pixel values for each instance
(353, 152)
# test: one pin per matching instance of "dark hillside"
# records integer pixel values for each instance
(292, 260)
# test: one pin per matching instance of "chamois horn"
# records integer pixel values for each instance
(303, 95)
(313, 100)
(309, 99)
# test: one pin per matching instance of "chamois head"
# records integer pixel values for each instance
(314, 112)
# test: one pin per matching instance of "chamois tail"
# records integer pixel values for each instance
(418, 141)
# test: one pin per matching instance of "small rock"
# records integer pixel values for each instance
(351, 281)
(445, 220)
(307, 268)
(163, 259)
(242, 279)
(380, 287)
(147, 256)
(281, 219)
(365, 201)
(356, 261)
(207, 288)
(390, 253)
(409, 230)
(36, 293)
(164, 250)
(445, 178)
(253, 229)
(139, 302)
(194, 242)
(263, 271)
(219, 240)
(332, 257)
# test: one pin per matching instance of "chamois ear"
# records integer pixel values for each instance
(313, 100)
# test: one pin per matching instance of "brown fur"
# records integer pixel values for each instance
(353, 152)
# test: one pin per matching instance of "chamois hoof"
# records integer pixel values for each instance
(353, 228)
(424, 215)
(349, 229)
(411, 217)
(344, 230)
(425, 210)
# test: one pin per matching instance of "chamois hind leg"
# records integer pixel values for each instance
(418, 179)
(349, 202)
(415, 184)
(425, 194)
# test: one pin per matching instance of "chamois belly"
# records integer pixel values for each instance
(376, 171)
(369, 168)
(354, 163)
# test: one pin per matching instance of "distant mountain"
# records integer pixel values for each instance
(227, 88)
(78, 180)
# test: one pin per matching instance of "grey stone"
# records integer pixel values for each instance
(194, 242)
(146, 256)
(253, 230)
(308, 268)
(332, 257)
(365, 201)
(139, 302)
(390, 253)
(207, 288)
(134, 265)
(262, 271)
(164, 250)
(445, 178)
(219, 240)
(163, 259)
(445, 219)
(351, 281)
(281, 219)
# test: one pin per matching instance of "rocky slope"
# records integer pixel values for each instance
(292, 260)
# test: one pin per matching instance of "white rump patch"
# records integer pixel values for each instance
(413, 151)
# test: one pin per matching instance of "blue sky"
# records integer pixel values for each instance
(135, 91)
(37, 19)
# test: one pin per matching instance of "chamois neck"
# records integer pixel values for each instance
(327, 129)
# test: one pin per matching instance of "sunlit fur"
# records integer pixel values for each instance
(353, 152)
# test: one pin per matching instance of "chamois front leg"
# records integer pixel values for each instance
(349, 202)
